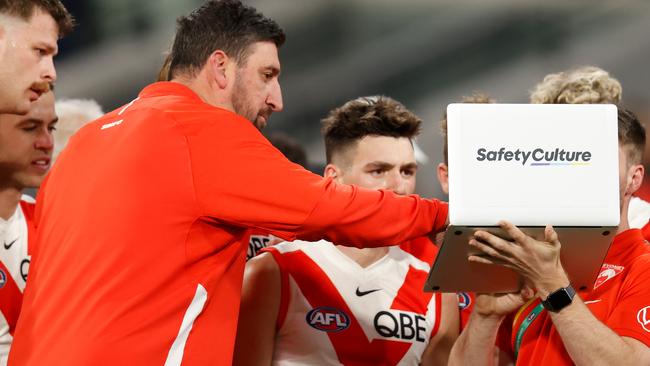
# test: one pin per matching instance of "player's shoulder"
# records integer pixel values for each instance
(421, 248)
(28, 207)
(639, 266)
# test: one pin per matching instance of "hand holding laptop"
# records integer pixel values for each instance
(536, 261)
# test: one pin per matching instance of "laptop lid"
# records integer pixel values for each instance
(533, 165)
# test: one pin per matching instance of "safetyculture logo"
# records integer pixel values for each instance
(536, 157)
(643, 317)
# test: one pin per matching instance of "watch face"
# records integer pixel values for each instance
(559, 299)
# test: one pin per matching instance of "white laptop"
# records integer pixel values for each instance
(531, 164)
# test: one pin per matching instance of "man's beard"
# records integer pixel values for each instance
(245, 108)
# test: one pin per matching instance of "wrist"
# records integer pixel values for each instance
(551, 284)
(487, 318)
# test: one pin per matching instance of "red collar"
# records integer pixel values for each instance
(626, 246)
(164, 88)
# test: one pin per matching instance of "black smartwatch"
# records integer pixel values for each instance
(559, 299)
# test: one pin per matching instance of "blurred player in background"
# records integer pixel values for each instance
(26, 145)
(590, 85)
(73, 114)
(465, 299)
(29, 31)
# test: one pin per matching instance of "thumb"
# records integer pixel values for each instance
(527, 293)
(550, 236)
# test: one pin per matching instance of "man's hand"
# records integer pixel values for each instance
(538, 262)
(499, 305)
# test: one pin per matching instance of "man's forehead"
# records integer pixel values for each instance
(40, 24)
(389, 150)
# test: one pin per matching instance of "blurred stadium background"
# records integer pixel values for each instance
(424, 53)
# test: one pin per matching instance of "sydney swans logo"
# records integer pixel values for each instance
(536, 157)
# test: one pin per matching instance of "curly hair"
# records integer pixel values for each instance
(476, 97)
(593, 85)
(367, 116)
(584, 85)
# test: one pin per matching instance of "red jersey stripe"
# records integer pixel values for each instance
(11, 299)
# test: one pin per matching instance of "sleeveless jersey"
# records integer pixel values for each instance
(334, 312)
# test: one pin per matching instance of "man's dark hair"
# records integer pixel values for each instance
(631, 135)
(225, 25)
(24, 9)
(367, 116)
(290, 148)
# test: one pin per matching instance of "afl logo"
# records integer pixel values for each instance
(464, 300)
(328, 319)
(3, 278)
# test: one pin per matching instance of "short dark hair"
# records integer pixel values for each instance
(24, 9)
(631, 135)
(367, 116)
(225, 25)
(476, 97)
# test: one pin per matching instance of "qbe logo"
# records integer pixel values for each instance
(3, 278)
(328, 319)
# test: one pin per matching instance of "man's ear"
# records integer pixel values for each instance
(443, 177)
(635, 178)
(332, 171)
(218, 63)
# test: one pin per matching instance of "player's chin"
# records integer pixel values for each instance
(33, 179)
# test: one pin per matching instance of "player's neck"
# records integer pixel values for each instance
(208, 91)
(9, 199)
(364, 257)
(623, 223)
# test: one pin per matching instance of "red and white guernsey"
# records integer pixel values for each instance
(14, 265)
(334, 312)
